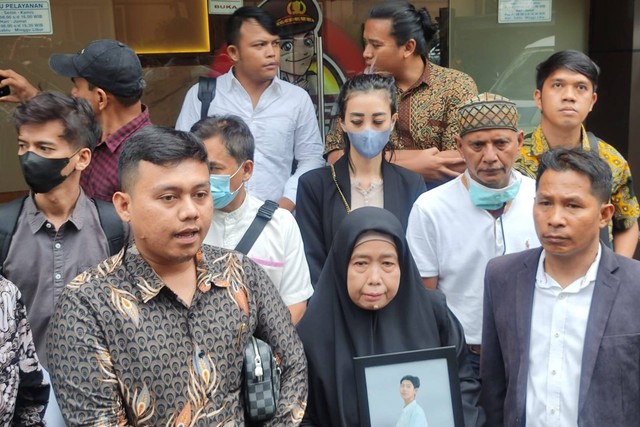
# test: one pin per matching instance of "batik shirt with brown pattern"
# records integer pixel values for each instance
(125, 350)
(427, 111)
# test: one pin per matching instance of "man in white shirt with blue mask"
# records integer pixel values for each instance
(279, 114)
(455, 229)
(278, 247)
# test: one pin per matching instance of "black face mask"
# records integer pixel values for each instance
(43, 174)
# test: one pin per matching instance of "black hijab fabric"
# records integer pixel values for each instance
(334, 329)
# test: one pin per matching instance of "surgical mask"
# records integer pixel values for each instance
(493, 198)
(369, 143)
(43, 174)
(221, 189)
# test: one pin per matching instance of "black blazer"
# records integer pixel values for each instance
(320, 209)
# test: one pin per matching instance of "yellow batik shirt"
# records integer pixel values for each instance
(622, 195)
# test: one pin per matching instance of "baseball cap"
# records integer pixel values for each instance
(108, 64)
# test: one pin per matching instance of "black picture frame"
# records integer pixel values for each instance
(378, 384)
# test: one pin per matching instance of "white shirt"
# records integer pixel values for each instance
(558, 327)
(284, 126)
(453, 239)
(278, 249)
(412, 416)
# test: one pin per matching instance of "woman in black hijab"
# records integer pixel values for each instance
(341, 322)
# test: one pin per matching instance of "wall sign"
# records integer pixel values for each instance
(25, 18)
(223, 7)
(515, 11)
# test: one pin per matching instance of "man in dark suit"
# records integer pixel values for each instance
(561, 334)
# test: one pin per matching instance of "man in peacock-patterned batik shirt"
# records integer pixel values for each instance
(155, 335)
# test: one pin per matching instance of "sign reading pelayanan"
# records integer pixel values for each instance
(25, 18)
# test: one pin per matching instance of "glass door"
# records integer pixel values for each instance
(500, 42)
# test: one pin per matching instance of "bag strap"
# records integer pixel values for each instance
(335, 180)
(264, 215)
(109, 220)
(111, 225)
(206, 93)
(9, 214)
(594, 144)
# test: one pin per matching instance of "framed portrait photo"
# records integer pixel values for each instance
(409, 389)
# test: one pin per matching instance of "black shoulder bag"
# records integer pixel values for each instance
(261, 370)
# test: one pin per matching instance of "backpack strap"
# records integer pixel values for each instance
(111, 225)
(206, 93)
(264, 215)
(9, 213)
(594, 144)
(109, 220)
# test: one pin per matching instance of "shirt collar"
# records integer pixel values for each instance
(410, 405)
(149, 284)
(37, 219)
(275, 85)
(424, 79)
(116, 139)
(590, 276)
(233, 216)
(540, 144)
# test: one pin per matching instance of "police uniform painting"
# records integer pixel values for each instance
(299, 22)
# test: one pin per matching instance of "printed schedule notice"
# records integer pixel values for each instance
(24, 18)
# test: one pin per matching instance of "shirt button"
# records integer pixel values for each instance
(562, 296)
(192, 315)
(48, 225)
(58, 276)
(553, 411)
(57, 245)
(556, 335)
(553, 372)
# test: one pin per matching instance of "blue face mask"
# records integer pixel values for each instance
(492, 198)
(221, 189)
(369, 143)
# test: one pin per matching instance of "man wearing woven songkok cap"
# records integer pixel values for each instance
(455, 229)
